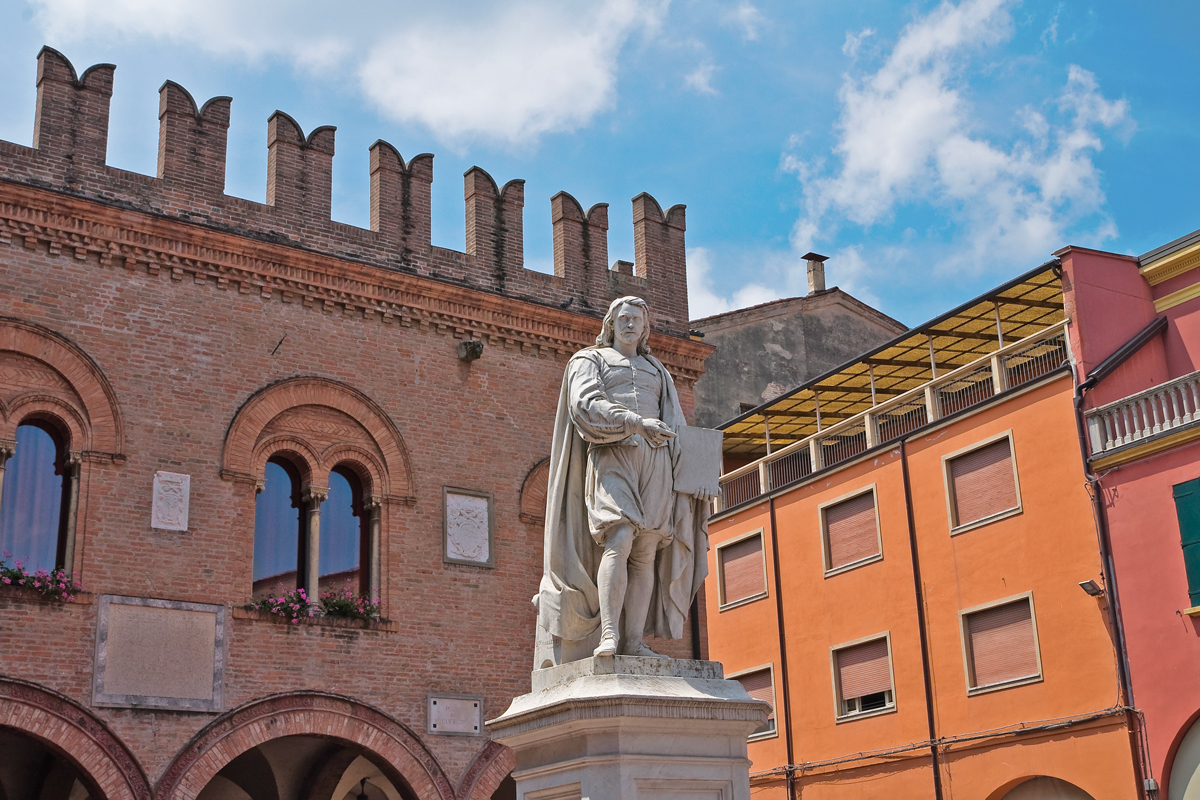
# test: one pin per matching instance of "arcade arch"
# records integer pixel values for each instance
(64, 751)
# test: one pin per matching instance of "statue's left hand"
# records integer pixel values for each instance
(706, 493)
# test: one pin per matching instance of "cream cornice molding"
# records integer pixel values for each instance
(1176, 298)
(113, 237)
(1168, 267)
(1146, 449)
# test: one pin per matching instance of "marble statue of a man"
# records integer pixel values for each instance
(625, 553)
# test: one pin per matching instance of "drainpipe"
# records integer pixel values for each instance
(926, 670)
(783, 668)
(1141, 766)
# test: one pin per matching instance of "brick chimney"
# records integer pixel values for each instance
(816, 272)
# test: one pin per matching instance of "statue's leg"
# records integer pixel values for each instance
(612, 578)
(637, 596)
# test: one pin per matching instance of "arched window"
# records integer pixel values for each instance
(345, 538)
(278, 543)
(33, 505)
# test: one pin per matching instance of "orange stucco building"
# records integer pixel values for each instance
(898, 565)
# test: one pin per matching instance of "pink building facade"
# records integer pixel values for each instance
(1135, 334)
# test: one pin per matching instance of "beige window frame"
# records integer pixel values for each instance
(722, 605)
(770, 667)
(890, 708)
(965, 639)
(948, 485)
(823, 529)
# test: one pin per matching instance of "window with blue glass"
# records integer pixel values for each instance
(34, 512)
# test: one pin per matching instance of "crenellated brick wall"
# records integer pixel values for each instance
(161, 314)
(68, 155)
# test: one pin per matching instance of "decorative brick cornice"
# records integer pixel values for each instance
(44, 714)
(117, 238)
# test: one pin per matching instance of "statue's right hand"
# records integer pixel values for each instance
(656, 431)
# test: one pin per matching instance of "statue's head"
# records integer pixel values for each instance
(608, 328)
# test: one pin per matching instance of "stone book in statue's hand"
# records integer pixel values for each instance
(699, 460)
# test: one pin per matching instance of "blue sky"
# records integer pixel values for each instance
(931, 149)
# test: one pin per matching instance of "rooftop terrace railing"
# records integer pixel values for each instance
(1007, 368)
(1155, 411)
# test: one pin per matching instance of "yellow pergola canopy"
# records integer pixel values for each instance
(1024, 306)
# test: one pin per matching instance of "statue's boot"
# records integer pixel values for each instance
(607, 648)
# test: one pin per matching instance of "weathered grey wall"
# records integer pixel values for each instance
(766, 350)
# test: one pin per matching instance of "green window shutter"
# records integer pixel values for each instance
(1187, 508)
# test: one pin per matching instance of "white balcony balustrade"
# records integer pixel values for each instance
(1156, 411)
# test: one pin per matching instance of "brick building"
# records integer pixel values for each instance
(202, 397)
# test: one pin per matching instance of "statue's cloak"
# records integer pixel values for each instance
(568, 600)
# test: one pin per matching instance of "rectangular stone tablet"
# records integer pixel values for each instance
(700, 459)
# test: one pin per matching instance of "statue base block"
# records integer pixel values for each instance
(626, 727)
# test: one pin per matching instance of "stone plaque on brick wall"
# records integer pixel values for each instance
(169, 505)
(159, 654)
(468, 527)
(455, 714)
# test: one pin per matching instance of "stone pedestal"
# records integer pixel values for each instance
(626, 728)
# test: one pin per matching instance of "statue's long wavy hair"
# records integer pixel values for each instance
(607, 332)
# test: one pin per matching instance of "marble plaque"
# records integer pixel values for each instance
(454, 714)
(468, 527)
(159, 653)
(169, 506)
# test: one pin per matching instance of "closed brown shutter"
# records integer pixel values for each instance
(742, 573)
(1002, 644)
(758, 685)
(851, 531)
(983, 483)
(864, 669)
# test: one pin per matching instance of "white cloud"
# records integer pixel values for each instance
(854, 41)
(749, 18)
(700, 79)
(464, 68)
(703, 299)
(906, 136)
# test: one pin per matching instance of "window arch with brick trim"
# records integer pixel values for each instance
(328, 437)
(59, 418)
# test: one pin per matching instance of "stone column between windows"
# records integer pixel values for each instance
(7, 449)
(374, 541)
(74, 464)
(313, 496)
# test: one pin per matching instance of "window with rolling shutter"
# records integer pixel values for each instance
(760, 686)
(1187, 509)
(982, 483)
(864, 678)
(743, 572)
(1001, 646)
(851, 531)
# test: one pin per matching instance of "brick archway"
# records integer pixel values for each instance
(71, 380)
(486, 772)
(353, 421)
(73, 731)
(389, 743)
